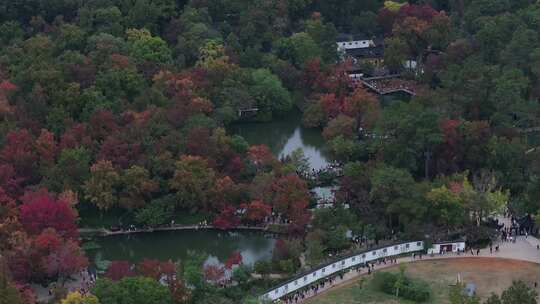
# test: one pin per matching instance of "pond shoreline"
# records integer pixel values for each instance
(103, 232)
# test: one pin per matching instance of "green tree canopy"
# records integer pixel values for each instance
(145, 47)
(132, 290)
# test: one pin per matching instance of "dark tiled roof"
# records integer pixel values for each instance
(371, 52)
(342, 37)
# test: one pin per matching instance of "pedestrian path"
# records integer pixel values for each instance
(523, 249)
(533, 241)
(107, 232)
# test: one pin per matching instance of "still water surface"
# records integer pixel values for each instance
(282, 136)
(285, 135)
(175, 245)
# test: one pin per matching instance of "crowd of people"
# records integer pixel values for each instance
(113, 230)
(81, 283)
(507, 234)
(334, 169)
(88, 281)
(328, 282)
(516, 228)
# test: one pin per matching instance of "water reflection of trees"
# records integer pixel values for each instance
(388, 99)
(281, 137)
(274, 134)
(313, 138)
(174, 245)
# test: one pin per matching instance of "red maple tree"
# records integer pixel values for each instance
(234, 259)
(65, 261)
(19, 152)
(150, 268)
(46, 147)
(214, 273)
(260, 155)
(227, 218)
(40, 211)
(48, 240)
(118, 270)
(257, 211)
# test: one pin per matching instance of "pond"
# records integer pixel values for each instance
(175, 245)
(533, 139)
(390, 99)
(282, 136)
(285, 135)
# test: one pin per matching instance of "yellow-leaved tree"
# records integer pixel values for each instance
(77, 298)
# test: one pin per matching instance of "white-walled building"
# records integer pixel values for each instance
(355, 44)
(360, 49)
(444, 247)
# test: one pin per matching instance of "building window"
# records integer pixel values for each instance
(305, 279)
(342, 262)
(314, 274)
(395, 247)
(374, 253)
(277, 290)
(384, 250)
(334, 265)
(407, 246)
(323, 270)
(363, 256)
(353, 259)
(418, 244)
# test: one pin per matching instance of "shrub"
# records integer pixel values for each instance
(385, 282)
(416, 291)
(413, 290)
(287, 266)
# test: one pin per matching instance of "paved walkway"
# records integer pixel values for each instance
(523, 249)
(73, 284)
(107, 232)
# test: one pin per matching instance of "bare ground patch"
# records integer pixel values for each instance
(489, 274)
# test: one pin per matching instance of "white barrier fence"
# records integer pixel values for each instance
(359, 258)
(331, 268)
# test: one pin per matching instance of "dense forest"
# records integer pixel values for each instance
(123, 106)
